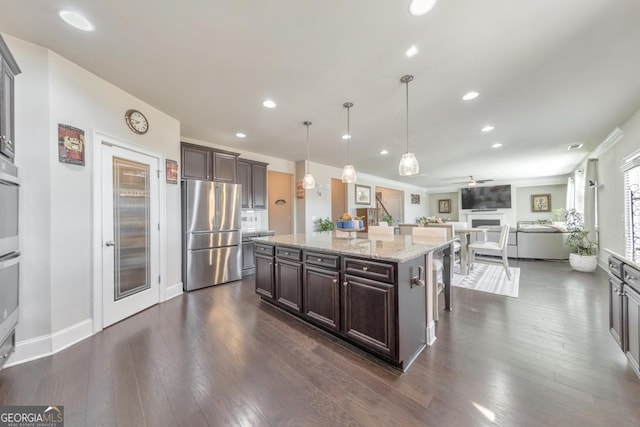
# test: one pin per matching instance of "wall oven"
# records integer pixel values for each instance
(9, 258)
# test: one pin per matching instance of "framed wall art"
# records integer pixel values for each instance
(415, 199)
(172, 171)
(444, 206)
(541, 203)
(363, 195)
(70, 145)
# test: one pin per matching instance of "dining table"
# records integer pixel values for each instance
(464, 234)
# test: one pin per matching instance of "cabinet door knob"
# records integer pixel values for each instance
(319, 259)
(365, 268)
(345, 283)
(335, 280)
(286, 253)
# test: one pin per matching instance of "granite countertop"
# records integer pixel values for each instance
(390, 248)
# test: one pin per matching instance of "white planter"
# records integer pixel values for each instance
(586, 263)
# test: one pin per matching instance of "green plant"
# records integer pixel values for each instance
(323, 224)
(387, 218)
(421, 219)
(578, 239)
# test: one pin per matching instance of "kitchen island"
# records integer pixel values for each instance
(371, 292)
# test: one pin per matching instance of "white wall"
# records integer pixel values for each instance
(523, 201)
(434, 205)
(56, 198)
(611, 189)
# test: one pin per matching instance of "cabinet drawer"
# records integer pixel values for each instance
(263, 249)
(293, 254)
(322, 260)
(6, 348)
(615, 267)
(631, 276)
(369, 269)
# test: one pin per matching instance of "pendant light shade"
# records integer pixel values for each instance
(349, 174)
(308, 182)
(408, 163)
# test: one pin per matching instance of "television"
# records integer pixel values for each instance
(494, 197)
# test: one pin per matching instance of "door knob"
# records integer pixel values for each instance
(110, 243)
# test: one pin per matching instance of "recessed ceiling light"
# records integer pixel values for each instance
(384, 152)
(574, 147)
(345, 136)
(487, 128)
(76, 20)
(241, 135)
(269, 103)
(412, 51)
(496, 145)
(470, 95)
(421, 7)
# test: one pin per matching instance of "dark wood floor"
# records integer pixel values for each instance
(220, 357)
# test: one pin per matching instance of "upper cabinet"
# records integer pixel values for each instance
(253, 177)
(8, 70)
(209, 164)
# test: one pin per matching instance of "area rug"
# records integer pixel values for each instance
(489, 278)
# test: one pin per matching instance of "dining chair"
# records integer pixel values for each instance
(499, 247)
(405, 229)
(437, 234)
(380, 230)
(451, 234)
(342, 233)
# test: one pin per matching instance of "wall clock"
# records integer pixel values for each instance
(136, 121)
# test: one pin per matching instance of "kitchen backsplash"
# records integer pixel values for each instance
(254, 220)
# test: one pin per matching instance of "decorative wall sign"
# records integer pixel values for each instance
(70, 145)
(415, 199)
(363, 195)
(299, 190)
(444, 206)
(172, 171)
(541, 203)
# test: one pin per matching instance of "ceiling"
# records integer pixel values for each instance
(550, 73)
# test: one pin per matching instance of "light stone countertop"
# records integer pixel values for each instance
(394, 248)
(623, 259)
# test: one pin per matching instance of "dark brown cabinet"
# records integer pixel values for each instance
(208, 164)
(322, 290)
(253, 177)
(289, 277)
(8, 70)
(624, 307)
(265, 270)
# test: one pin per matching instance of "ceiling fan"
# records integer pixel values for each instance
(471, 181)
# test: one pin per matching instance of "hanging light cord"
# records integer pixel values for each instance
(407, 85)
(348, 137)
(307, 124)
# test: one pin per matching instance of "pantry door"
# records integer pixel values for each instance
(130, 233)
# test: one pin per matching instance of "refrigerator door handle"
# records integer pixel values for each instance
(216, 219)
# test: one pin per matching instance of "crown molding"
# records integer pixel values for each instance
(608, 143)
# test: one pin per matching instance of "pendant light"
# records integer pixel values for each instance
(308, 182)
(408, 163)
(349, 174)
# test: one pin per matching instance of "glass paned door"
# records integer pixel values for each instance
(131, 227)
(130, 236)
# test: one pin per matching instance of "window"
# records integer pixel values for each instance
(631, 169)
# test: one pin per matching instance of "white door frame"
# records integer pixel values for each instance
(98, 139)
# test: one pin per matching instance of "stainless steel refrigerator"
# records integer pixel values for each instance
(211, 240)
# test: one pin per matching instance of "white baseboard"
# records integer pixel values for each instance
(46, 345)
(431, 333)
(173, 291)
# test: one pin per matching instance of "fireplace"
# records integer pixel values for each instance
(480, 222)
(477, 219)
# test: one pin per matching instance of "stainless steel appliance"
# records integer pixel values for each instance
(9, 258)
(211, 241)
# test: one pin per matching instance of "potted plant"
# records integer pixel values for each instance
(584, 258)
(323, 224)
(387, 218)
